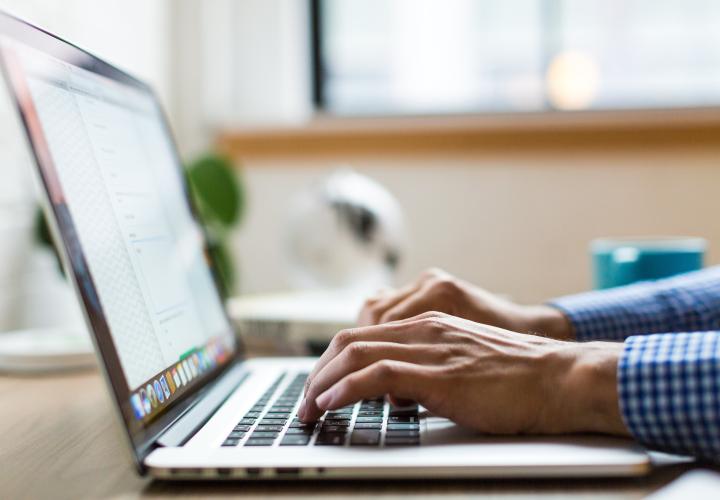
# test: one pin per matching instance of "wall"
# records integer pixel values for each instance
(517, 222)
(238, 63)
(132, 34)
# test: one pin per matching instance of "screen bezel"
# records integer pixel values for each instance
(141, 436)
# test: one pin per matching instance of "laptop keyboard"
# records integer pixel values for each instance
(272, 421)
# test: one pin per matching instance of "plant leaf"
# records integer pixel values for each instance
(215, 186)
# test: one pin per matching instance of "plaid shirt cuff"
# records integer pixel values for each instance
(616, 313)
(669, 389)
(685, 303)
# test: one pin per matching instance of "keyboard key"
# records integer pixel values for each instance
(371, 413)
(259, 442)
(247, 421)
(368, 425)
(236, 434)
(342, 423)
(402, 434)
(402, 427)
(329, 429)
(369, 419)
(295, 440)
(274, 428)
(252, 414)
(273, 421)
(300, 430)
(299, 423)
(339, 417)
(242, 428)
(330, 440)
(231, 442)
(403, 419)
(338, 423)
(365, 437)
(264, 434)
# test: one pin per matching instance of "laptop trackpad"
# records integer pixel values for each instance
(440, 430)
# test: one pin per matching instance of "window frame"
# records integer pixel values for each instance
(695, 115)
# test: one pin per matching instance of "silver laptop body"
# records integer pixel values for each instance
(192, 406)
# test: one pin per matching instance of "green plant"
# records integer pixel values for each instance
(220, 202)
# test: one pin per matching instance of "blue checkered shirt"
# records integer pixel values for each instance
(669, 373)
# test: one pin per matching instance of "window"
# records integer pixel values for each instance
(388, 57)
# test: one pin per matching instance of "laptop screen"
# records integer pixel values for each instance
(120, 203)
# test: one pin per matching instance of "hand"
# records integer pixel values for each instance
(436, 290)
(485, 378)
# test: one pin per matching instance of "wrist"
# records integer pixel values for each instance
(549, 321)
(589, 394)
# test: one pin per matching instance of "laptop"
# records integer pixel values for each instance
(191, 404)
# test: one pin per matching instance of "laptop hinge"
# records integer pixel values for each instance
(180, 431)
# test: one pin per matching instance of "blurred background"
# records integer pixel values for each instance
(510, 132)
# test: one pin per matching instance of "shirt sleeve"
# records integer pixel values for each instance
(669, 390)
(686, 303)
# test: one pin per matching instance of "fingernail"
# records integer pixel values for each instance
(323, 400)
(301, 408)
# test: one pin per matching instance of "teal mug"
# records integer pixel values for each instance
(622, 261)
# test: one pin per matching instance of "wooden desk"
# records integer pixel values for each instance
(59, 440)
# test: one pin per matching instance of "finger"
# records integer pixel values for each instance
(413, 330)
(398, 379)
(359, 355)
(375, 307)
(380, 294)
(417, 303)
(434, 273)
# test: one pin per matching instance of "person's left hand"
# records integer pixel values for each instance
(437, 290)
(485, 378)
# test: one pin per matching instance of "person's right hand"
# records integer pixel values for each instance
(436, 290)
(481, 377)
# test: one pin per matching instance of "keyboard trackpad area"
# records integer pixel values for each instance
(440, 430)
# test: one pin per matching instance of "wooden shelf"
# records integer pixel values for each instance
(420, 135)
